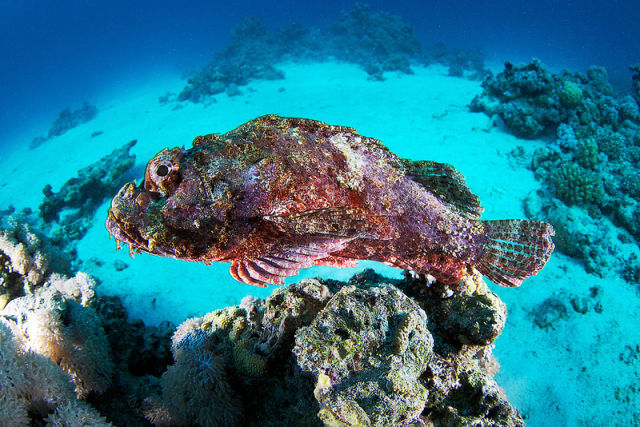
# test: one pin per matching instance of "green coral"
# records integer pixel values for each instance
(374, 344)
(576, 185)
(613, 144)
(375, 356)
(571, 94)
(587, 153)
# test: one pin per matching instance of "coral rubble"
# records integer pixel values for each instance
(67, 119)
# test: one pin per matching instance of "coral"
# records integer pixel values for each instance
(235, 349)
(576, 185)
(533, 102)
(23, 265)
(611, 143)
(635, 69)
(593, 164)
(587, 153)
(54, 323)
(72, 208)
(375, 40)
(527, 99)
(378, 42)
(67, 120)
(594, 241)
(373, 380)
(33, 387)
(196, 388)
(570, 94)
(26, 256)
(323, 352)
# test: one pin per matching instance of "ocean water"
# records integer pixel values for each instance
(569, 354)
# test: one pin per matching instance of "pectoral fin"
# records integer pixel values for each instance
(286, 261)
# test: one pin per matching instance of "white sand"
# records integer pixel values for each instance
(563, 376)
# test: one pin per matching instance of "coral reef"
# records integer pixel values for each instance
(70, 210)
(363, 353)
(592, 163)
(26, 257)
(35, 388)
(378, 42)
(635, 69)
(367, 348)
(67, 120)
(55, 321)
(527, 98)
(64, 343)
(370, 352)
(533, 102)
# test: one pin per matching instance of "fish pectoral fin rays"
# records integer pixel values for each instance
(515, 249)
(447, 183)
(287, 261)
(338, 222)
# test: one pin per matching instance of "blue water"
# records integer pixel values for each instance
(59, 54)
(56, 54)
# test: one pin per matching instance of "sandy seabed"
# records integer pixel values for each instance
(570, 374)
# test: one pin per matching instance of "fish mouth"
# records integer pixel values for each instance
(125, 233)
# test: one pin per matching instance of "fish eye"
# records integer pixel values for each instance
(162, 170)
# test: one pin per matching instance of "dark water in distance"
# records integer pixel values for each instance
(58, 54)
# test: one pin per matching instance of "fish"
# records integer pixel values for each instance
(280, 194)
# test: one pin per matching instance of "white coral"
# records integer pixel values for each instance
(32, 384)
(57, 326)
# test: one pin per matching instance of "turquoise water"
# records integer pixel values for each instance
(162, 75)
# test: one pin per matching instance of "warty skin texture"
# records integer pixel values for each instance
(278, 194)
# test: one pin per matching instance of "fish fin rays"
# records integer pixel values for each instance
(447, 183)
(515, 249)
(274, 267)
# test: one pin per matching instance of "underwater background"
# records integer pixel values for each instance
(535, 103)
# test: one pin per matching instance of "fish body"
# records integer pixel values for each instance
(279, 194)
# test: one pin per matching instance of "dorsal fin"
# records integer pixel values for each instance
(446, 182)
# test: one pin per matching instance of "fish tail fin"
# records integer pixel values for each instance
(514, 250)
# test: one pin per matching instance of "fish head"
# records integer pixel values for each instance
(175, 211)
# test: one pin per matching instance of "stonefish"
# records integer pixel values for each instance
(280, 194)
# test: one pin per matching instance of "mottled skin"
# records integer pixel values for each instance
(279, 194)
